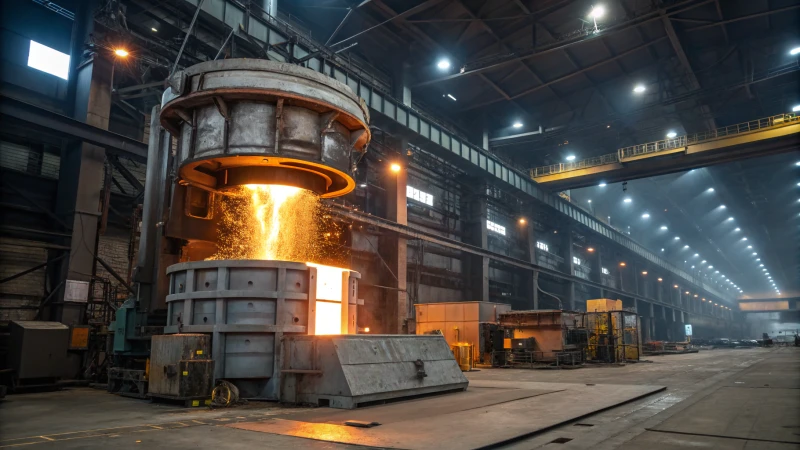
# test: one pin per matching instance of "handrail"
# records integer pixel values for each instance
(665, 145)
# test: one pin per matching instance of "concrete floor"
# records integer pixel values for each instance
(720, 399)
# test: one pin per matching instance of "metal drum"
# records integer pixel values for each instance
(248, 121)
(247, 306)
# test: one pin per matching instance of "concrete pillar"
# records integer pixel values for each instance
(531, 277)
(80, 182)
(567, 253)
(394, 249)
(475, 267)
(402, 87)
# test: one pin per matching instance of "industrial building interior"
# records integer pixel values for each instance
(342, 224)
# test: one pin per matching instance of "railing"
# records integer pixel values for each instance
(666, 145)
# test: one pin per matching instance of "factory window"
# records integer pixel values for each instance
(541, 245)
(576, 261)
(41, 57)
(416, 194)
(605, 271)
(495, 227)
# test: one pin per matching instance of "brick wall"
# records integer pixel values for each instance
(17, 297)
(113, 249)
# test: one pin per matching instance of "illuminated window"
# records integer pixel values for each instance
(41, 57)
(605, 271)
(491, 226)
(541, 245)
(416, 194)
(576, 260)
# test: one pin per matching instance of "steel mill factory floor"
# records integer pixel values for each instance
(720, 399)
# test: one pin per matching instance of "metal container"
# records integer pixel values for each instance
(181, 366)
(463, 354)
(249, 121)
(247, 306)
(38, 350)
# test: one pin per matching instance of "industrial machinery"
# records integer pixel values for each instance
(228, 250)
(181, 367)
(37, 352)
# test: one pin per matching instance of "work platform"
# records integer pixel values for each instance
(760, 137)
(729, 399)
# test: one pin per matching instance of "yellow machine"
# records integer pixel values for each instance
(613, 332)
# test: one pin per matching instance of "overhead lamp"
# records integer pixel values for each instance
(662, 249)
(677, 238)
(589, 201)
(692, 267)
(664, 227)
(660, 280)
(627, 200)
(363, 185)
(644, 272)
(710, 190)
(154, 30)
(675, 286)
(671, 134)
(622, 264)
(395, 167)
(686, 246)
(645, 216)
(687, 292)
(758, 259)
(749, 246)
(599, 11)
(451, 97)
(443, 64)
(744, 238)
(696, 255)
(517, 124)
(730, 218)
(794, 51)
(754, 253)
(716, 271)
(570, 158)
(590, 249)
(737, 229)
(797, 163)
(722, 206)
(122, 53)
(639, 88)
(703, 261)
(710, 267)
(522, 221)
(602, 185)
(695, 295)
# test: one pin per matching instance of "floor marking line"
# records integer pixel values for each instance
(720, 436)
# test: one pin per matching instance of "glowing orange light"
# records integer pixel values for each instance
(329, 299)
(644, 272)
(590, 249)
(121, 52)
(676, 286)
(522, 221)
(622, 264)
(366, 329)
(660, 280)
(268, 199)
(395, 167)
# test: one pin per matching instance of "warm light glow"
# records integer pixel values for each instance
(395, 167)
(660, 280)
(644, 272)
(687, 292)
(522, 221)
(676, 286)
(329, 299)
(121, 52)
(590, 249)
(622, 264)
(366, 329)
(267, 203)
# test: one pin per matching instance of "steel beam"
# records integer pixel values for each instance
(112, 142)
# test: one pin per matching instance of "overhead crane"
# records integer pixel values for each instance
(770, 135)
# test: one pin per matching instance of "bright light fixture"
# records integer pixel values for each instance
(570, 158)
(602, 185)
(363, 185)
(627, 200)
(677, 238)
(730, 218)
(589, 201)
(755, 254)
(639, 88)
(598, 11)
(517, 124)
(395, 167)
(761, 265)
(710, 190)
(451, 97)
(154, 30)
(737, 229)
(696, 255)
(749, 246)
(722, 206)
(671, 134)
(662, 249)
(645, 216)
(121, 52)
(703, 261)
(744, 238)
(796, 108)
(443, 64)
(663, 227)
(794, 51)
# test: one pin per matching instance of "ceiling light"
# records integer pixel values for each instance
(662, 249)
(744, 238)
(796, 108)
(589, 201)
(121, 52)
(663, 227)
(797, 163)
(703, 261)
(671, 134)
(692, 267)
(758, 259)
(660, 279)
(570, 158)
(677, 238)
(598, 12)
(710, 190)
(722, 206)
(675, 286)
(737, 229)
(590, 249)
(749, 246)
(755, 254)
(154, 30)
(794, 51)
(395, 167)
(644, 272)
(687, 292)
(686, 246)
(363, 185)
(716, 271)
(602, 185)
(696, 255)
(730, 218)
(710, 267)
(627, 200)
(645, 216)
(443, 64)
(517, 124)
(622, 264)
(639, 88)
(451, 97)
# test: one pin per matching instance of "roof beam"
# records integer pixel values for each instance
(694, 83)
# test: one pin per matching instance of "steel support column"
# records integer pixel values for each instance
(394, 250)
